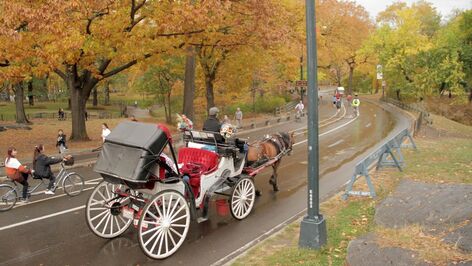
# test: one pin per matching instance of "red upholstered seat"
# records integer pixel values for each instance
(206, 159)
(196, 162)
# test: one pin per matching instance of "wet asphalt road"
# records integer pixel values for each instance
(50, 237)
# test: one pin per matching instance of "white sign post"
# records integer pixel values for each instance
(379, 72)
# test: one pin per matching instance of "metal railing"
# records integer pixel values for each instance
(285, 108)
(423, 115)
(389, 154)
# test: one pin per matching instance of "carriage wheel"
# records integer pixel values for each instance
(242, 198)
(103, 212)
(164, 224)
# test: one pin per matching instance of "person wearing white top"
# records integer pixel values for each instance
(299, 108)
(105, 131)
(17, 172)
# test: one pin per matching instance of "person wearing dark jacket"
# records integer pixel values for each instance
(212, 124)
(42, 166)
(61, 141)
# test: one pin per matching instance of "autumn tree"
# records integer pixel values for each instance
(158, 80)
(85, 42)
(343, 27)
(238, 24)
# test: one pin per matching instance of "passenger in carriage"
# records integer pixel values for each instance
(165, 161)
(168, 163)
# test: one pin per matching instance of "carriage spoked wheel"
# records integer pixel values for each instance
(164, 224)
(242, 198)
(104, 211)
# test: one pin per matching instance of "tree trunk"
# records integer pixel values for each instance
(95, 97)
(80, 88)
(20, 108)
(30, 93)
(189, 84)
(351, 74)
(398, 94)
(210, 95)
(441, 89)
(107, 92)
(470, 95)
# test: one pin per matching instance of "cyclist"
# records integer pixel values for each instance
(17, 172)
(355, 104)
(42, 166)
(299, 109)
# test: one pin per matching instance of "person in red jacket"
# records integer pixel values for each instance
(17, 172)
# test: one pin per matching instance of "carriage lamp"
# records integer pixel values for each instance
(313, 226)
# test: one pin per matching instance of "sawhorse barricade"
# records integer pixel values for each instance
(388, 155)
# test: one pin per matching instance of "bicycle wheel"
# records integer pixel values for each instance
(8, 197)
(73, 184)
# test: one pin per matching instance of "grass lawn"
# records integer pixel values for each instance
(44, 131)
(438, 160)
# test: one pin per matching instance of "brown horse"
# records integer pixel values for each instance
(269, 148)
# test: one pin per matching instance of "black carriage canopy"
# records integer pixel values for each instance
(130, 150)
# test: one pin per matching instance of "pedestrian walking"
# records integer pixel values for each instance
(86, 115)
(349, 99)
(105, 131)
(239, 118)
(17, 172)
(61, 141)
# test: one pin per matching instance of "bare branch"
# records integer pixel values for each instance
(98, 14)
(103, 66)
(60, 73)
(179, 33)
(123, 67)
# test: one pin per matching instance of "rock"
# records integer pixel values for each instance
(364, 251)
(462, 263)
(430, 205)
(461, 237)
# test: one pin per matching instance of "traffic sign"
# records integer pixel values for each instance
(379, 72)
(301, 83)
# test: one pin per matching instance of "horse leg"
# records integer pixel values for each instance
(273, 178)
(258, 193)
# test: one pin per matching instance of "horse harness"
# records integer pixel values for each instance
(279, 141)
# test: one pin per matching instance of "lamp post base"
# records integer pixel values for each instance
(312, 233)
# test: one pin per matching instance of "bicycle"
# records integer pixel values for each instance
(72, 183)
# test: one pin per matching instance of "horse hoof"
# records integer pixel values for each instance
(276, 188)
(258, 193)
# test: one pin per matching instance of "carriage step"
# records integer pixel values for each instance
(202, 219)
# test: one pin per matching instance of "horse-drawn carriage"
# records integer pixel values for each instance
(159, 195)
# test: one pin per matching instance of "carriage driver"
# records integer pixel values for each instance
(212, 124)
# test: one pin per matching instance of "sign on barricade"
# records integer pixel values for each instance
(388, 155)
